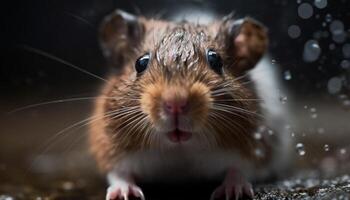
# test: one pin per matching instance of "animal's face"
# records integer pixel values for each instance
(185, 79)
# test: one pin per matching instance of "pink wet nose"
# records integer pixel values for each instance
(176, 107)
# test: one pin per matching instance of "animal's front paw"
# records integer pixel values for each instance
(122, 191)
(235, 186)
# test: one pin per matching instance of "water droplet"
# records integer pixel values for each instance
(259, 153)
(305, 10)
(342, 97)
(332, 46)
(313, 115)
(313, 109)
(6, 197)
(339, 37)
(336, 26)
(305, 107)
(283, 99)
(343, 151)
(346, 50)
(68, 185)
(273, 61)
(326, 147)
(346, 104)
(287, 75)
(328, 18)
(294, 31)
(334, 85)
(261, 129)
(298, 1)
(270, 132)
(292, 134)
(317, 35)
(320, 130)
(300, 149)
(320, 3)
(325, 34)
(312, 51)
(257, 136)
(345, 64)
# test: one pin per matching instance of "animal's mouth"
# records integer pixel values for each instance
(178, 136)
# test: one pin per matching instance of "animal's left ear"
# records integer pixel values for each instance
(245, 41)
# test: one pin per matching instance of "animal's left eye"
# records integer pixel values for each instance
(214, 60)
(142, 63)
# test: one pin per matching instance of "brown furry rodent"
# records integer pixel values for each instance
(182, 105)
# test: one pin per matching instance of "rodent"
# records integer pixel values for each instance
(182, 105)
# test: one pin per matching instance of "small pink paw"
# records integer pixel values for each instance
(123, 190)
(234, 187)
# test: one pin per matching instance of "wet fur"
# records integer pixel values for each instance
(178, 61)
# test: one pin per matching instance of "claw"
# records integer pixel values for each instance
(123, 192)
(125, 196)
(139, 194)
(234, 187)
(248, 190)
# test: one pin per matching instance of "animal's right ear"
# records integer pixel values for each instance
(120, 34)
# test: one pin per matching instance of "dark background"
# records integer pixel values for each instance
(68, 30)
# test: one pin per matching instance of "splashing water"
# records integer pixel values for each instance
(328, 18)
(300, 149)
(312, 51)
(294, 31)
(257, 136)
(305, 10)
(326, 147)
(320, 4)
(343, 151)
(345, 64)
(334, 85)
(287, 75)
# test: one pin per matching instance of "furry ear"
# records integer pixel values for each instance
(120, 34)
(245, 42)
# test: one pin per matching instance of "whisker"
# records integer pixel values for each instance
(234, 108)
(55, 102)
(240, 100)
(79, 18)
(52, 57)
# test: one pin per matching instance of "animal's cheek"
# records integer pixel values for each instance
(200, 102)
(150, 102)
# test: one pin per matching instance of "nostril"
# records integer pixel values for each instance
(176, 107)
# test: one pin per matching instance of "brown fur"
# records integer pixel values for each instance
(178, 63)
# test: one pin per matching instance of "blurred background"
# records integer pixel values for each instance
(309, 44)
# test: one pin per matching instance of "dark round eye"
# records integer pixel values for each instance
(142, 63)
(214, 61)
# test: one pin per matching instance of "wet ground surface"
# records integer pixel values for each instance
(35, 166)
(91, 188)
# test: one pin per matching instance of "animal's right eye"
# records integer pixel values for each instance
(142, 63)
(214, 61)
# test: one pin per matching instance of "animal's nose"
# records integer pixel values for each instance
(175, 100)
(175, 107)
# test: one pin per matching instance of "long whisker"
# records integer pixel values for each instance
(239, 100)
(55, 102)
(79, 124)
(52, 57)
(234, 108)
(85, 122)
(79, 18)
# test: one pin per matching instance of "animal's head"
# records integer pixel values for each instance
(182, 83)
